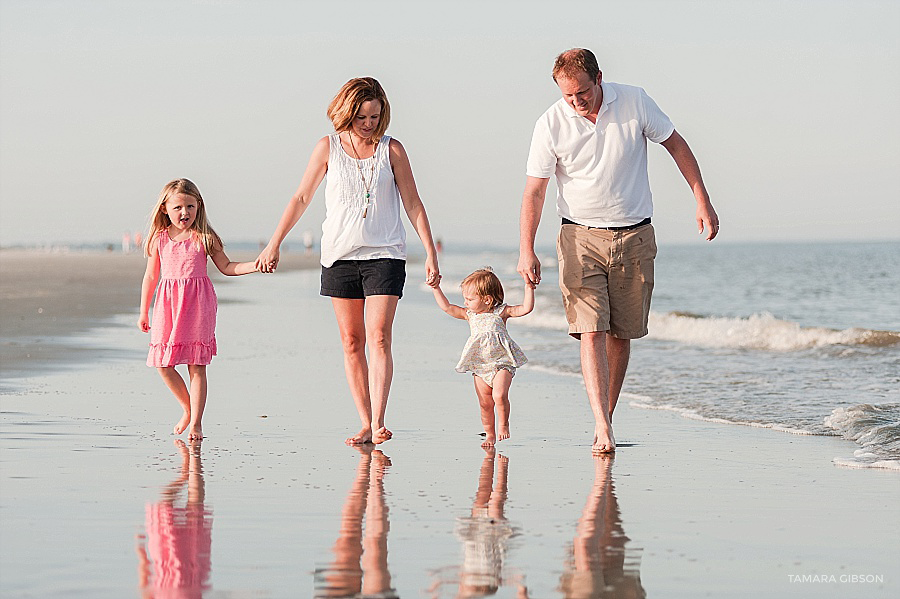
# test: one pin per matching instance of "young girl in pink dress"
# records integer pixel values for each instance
(184, 315)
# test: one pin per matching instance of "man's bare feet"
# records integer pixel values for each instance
(604, 442)
(503, 433)
(363, 436)
(381, 435)
(182, 424)
(196, 433)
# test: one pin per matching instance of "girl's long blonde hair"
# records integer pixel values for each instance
(203, 233)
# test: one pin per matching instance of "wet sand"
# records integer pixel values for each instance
(272, 504)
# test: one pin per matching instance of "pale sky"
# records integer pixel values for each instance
(789, 106)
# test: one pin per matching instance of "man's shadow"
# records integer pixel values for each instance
(599, 564)
(174, 555)
(360, 564)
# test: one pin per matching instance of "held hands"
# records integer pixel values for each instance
(268, 259)
(530, 268)
(432, 272)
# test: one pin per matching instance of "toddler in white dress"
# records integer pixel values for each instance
(490, 353)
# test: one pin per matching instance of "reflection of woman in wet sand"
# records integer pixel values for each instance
(485, 534)
(596, 565)
(360, 566)
(176, 559)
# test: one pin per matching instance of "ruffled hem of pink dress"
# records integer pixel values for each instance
(164, 355)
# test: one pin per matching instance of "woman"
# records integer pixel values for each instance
(363, 240)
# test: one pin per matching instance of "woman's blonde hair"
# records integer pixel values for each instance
(484, 282)
(346, 104)
(203, 233)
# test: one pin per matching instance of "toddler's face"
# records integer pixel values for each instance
(477, 303)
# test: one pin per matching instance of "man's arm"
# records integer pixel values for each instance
(687, 164)
(532, 205)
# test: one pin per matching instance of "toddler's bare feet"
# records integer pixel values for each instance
(489, 441)
(504, 433)
(182, 424)
(196, 433)
(381, 435)
(363, 436)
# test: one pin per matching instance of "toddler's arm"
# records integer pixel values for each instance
(148, 286)
(229, 268)
(527, 305)
(444, 304)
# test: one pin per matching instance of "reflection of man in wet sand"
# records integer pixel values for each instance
(485, 535)
(596, 564)
(176, 559)
(360, 566)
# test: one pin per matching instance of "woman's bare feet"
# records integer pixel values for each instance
(196, 433)
(381, 435)
(363, 436)
(604, 442)
(182, 424)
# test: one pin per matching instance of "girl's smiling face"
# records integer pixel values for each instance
(181, 209)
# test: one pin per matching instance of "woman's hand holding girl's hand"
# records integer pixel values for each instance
(268, 259)
(432, 272)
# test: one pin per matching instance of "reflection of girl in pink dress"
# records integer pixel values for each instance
(176, 559)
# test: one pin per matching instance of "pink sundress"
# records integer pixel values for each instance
(183, 329)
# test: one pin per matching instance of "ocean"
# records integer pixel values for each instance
(799, 338)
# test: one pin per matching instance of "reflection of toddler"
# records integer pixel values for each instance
(490, 354)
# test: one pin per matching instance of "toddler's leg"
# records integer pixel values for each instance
(176, 385)
(486, 403)
(500, 394)
(198, 399)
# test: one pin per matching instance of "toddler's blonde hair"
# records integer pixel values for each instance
(484, 282)
(203, 233)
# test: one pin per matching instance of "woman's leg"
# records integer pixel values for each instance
(379, 323)
(350, 314)
(176, 385)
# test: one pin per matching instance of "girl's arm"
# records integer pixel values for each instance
(527, 305)
(415, 210)
(148, 286)
(444, 304)
(297, 205)
(229, 268)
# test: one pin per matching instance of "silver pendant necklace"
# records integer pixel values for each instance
(367, 185)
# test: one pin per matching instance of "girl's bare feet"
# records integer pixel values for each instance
(182, 424)
(504, 433)
(196, 433)
(489, 441)
(381, 435)
(363, 436)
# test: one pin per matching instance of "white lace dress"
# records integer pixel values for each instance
(489, 348)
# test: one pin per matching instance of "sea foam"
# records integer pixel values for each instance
(876, 428)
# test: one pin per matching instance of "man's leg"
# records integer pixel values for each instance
(595, 369)
(617, 353)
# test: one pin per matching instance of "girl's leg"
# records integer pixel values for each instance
(486, 403)
(198, 399)
(380, 310)
(176, 385)
(350, 314)
(500, 394)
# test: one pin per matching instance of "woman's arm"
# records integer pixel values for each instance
(297, 205)
(415, 210)
(445, 305)
(527, 304)
(148, 286)
(229, 268)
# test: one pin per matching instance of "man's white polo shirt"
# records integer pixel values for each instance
(601, 170)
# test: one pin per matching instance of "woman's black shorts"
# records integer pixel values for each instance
(358, 279)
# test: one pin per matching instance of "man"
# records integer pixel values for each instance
(594, 140)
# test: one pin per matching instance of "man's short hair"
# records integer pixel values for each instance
(573, 62)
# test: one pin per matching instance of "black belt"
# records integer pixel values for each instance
(646, 221)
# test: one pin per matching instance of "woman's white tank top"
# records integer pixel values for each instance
(357, 228)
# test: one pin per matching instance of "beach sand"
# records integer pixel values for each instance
(273, 504)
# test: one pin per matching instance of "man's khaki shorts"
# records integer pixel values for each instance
(606, 278)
